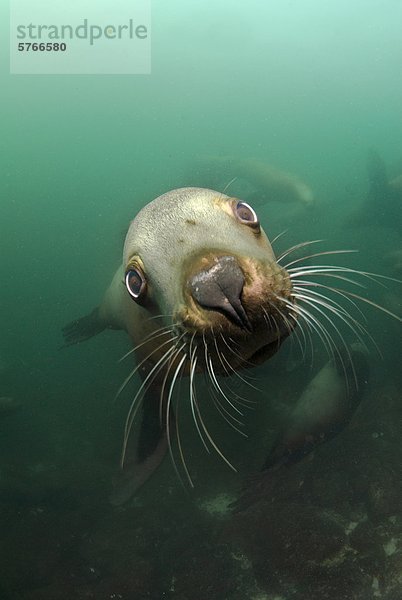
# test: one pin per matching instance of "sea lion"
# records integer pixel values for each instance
(322, 411)
(325, 407)
(383, 203)
(199, 290)
(393, 260)
(270, 184)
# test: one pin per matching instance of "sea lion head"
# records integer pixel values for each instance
(202, 260)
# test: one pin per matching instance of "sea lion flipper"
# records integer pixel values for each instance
(151, 449)
(83, 328)
(325, 407)
(129, 481)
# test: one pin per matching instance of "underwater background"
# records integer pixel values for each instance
(310, 87)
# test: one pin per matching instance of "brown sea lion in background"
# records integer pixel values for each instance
(393, 260)
(270, 184)
(383, 204)
(8, 406)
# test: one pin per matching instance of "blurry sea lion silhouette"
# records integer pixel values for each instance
(394, 261)
(383, 204)
(8, 406)
(270, 183)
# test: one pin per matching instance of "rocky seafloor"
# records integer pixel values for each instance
(327, 528)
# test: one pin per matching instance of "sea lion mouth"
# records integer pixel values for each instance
(230, 347)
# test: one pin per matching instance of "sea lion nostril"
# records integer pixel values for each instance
(219, 287)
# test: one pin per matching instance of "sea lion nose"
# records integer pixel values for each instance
(219, 287)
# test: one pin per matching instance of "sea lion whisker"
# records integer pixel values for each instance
(319, 329)
(219, 388)
(293, 329)
(148, 381)
(139, 365)
(303, 284)
(218, 353)
(303, 325)
(371, 303)
(327, 270)
(312, 321)
(161, 316)
(179, 444)
(289, 326)
(135, 405)
(212, 390)
(225, 414)
(375, 305)
(304, 328)
(214, 381)
(229, 184)
(276, 326)
(313, 304)
(242, 379)
(168, 405)
(357, 323)
(356, 327)
(334, 276)
(228, 374)
(316, 254)
(193, 399)
(245, 378)
(144, 387)
(245, 362)
(343, 294)
(329, 303)
(150, 338)
(208, 435)
(166, 377)
(276, 238)
(296, 247)
(368, 274)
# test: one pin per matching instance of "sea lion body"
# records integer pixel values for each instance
(324, 408)
(275, 184)
(211, 298)
(200, 291)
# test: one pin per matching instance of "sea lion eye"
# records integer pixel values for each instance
(245, 214)
(135, 283)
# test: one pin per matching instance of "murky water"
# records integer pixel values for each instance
(310, 88)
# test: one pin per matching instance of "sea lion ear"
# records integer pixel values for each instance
(377, 174)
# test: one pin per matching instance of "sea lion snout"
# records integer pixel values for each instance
(220, 287)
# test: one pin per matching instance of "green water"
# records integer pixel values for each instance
(304, 85)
